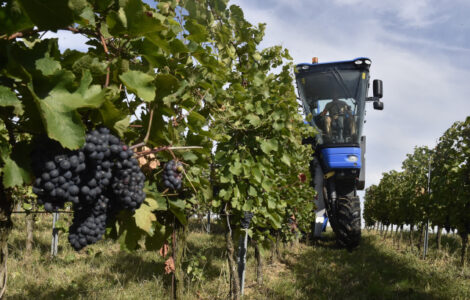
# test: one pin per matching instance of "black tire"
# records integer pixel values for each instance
(348, 222)
(345, 219)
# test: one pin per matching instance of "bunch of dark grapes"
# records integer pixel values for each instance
(172, 175)
(99, 179)
(246, 220)
(99, 161)
(128, 182)
(89, 223)
(57, 174)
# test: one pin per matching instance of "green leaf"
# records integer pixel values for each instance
(116, 21)
(16, 169)
(248, 205)
(267, 185)
(166, 84)
(129, 233)
(9, 98)
(236, 168)
(197, 32)
(27, 206)
(48, 66)
(48, 14)
(196, 121)
(84, 11)
(89, 63)
(189, 156)
(114, 118)
(59, 110)
(257, 175)
(252, 191)
(156, 204)
(122, 125)
(161, 234)
(13, 19)
(139, 83)
(144, 219)
(285, 159)
(13, 174)
(254, 119)
(269, 145)
(178, 209)
(141, 21)
(177, 46)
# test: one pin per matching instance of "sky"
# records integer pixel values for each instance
(420, 49)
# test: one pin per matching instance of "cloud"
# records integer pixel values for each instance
(417, 13)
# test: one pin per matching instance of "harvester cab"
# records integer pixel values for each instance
(334, 97)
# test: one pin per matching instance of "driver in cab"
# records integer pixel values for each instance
(336, 110)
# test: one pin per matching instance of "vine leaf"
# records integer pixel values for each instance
(177, 208)
(139, 83)
(8, 98)
(59, 110)
(48, 15)
(144, 218)
(47, 65)
(13, 19)
(16, 169)
(269, 145)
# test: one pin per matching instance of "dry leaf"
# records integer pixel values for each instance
(169, 266)
(164, 250)
(142, 161)
(154, 164)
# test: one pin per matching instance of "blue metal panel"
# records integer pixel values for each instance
(337, 158)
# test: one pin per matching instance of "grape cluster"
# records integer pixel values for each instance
(89, 223)
(172, 174)
(57, 175)
(100, 179)
(128, 183)
(246, 220)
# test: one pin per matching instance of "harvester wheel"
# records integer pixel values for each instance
(348, 221)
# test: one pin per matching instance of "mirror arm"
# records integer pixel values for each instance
(370, 99)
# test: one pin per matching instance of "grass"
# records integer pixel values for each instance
(376, 270)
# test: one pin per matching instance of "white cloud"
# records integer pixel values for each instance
(416, 13)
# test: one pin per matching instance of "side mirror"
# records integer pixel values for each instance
(379, 105)
(378, 89)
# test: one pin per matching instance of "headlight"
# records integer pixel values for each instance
(304, 67)
(352, 158)
(367, 62)
(358, 62)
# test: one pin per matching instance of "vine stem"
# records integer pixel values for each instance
(190, 182)
(108, 70)
(164, 148)
(147, 135)
(137, 145)
(149, 127)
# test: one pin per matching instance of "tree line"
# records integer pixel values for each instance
(433, 185)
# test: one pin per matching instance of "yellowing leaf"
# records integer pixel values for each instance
(144, 219)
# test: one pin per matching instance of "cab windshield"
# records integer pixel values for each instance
(335, 98)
